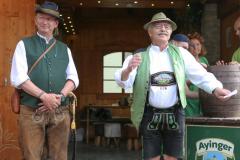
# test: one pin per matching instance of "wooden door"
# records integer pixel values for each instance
(16, 21)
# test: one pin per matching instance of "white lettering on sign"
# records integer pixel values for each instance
(215, 144)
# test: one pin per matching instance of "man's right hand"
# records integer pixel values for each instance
(134, 62)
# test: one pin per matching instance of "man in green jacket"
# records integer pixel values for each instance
(236, 54)
(157, 75)
(44, 118)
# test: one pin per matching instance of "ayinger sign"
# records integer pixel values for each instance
(208, 142)
(214, 149)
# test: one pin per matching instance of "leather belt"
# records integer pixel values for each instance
(66, 101)
(163, 110)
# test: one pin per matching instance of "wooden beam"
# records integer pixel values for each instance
(123, 3)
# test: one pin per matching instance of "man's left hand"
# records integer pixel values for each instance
(220, 93)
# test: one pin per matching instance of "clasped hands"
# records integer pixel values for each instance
(50, 101)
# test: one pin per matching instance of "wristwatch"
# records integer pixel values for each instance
(63, 98)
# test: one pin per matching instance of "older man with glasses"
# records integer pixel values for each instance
(157, 75)
(43, 68)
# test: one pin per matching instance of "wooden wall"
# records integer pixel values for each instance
(100, 31)
(103, 31)
(16, 19)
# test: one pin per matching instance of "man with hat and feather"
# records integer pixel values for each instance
(157, 75)
(43, 68)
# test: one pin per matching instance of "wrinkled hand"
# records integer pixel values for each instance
(233, 63)
(42, 108)
(221, 62)
(224, 63)
(134, 62)
(220, 93)
(50, 101)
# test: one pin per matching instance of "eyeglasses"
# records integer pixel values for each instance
(161, 25)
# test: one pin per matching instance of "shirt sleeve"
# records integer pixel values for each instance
(199, 75)
(118, 74)
(19, 66)
(71, 70)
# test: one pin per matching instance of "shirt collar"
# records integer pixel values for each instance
(45, 38)
(157, 49)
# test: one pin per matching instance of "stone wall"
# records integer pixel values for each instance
(210, 30)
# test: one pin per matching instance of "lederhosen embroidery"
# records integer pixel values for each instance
(163, 119)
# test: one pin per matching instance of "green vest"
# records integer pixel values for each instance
(50, 72)
(141, 83)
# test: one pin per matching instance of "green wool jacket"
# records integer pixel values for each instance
(50, 72)
(141, 83)
(236, 55)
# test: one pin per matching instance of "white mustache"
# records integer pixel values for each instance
(163, 33)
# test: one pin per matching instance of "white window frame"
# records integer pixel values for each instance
(109, 78)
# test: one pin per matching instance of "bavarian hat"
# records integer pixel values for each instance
(160, 17)
(49, 8)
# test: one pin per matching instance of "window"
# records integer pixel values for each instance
(111, 63)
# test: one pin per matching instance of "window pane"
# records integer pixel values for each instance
(108, 73)
(111, 87)
(113, 59)
(126, 54)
